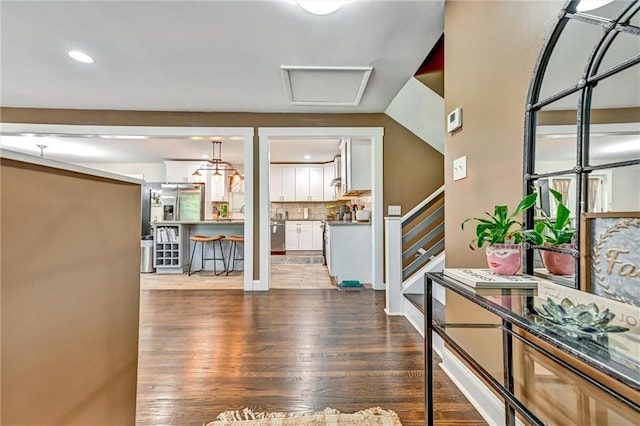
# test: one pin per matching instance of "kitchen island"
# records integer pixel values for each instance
(349, 253)
(172, 246)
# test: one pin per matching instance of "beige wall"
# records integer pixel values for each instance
(490, 50)
(70, 297)
(412, 168)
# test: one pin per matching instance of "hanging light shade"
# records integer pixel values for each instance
(216, 165)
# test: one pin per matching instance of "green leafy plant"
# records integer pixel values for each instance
(501, 226)
(553, 231)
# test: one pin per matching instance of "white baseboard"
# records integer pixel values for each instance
(257, 286)
(490, 407)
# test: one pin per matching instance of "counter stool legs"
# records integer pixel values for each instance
(202, 240)
(233, 252)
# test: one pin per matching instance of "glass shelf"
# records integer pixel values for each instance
(510, 324)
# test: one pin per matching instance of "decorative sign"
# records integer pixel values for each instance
(610, 249)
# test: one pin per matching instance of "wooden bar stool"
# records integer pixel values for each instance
(203, 240)
(233, 252)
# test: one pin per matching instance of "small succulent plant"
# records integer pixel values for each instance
(578, 318)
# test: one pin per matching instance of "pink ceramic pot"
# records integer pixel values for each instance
(559, 263)
(504, 259)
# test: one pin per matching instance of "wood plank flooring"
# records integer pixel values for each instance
(283, 275)
(203, 352)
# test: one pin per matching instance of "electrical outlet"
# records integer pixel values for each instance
(460, 168)
(395, 210)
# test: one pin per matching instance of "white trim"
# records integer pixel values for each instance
(375, 134)
(366, 73)
(32, 159)
(246, 133)
(570, 129)
(490, 407)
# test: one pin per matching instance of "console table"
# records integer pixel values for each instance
(602, 372)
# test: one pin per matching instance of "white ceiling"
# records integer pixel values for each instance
(203, 56)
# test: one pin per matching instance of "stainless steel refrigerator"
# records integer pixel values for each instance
(182, 201)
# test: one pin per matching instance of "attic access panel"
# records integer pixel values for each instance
(330, 86)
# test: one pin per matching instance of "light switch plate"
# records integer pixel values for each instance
(395, 210)
(460, 168)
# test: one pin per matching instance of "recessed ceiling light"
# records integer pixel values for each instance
(196, 138)
(29, 135)
(205, 156)
(81, 57)
(307, 157)
(320, 7)
(585, 5)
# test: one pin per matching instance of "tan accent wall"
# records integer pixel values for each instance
(490, 50)
(70, 297)
(412, 168)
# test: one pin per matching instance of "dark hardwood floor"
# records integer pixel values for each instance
(203, 352)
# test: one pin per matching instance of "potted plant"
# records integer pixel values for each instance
(502, 231)
(555, 232)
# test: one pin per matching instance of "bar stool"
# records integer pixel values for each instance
(233, 249)
(203, 240)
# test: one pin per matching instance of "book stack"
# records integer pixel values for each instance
(484, 278)
(166, 235)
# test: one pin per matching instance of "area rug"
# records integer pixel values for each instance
(328, 417)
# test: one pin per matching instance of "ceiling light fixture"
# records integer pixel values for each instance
(81, 57)
(216, 165)
(586, 5)
(321, 7)
(307, 157)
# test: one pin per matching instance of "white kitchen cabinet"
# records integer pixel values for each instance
(316, 235)
(316, 183)
(282, 183)
(328, 176)
(356, 166)
(298, 235)
(182, 171)
(309, 183)
(302, 183)
(349, 255)
(219, 185)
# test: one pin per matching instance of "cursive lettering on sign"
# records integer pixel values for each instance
(625, 269)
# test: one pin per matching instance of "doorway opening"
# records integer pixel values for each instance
(268, 141)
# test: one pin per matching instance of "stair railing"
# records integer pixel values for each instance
(411, 241)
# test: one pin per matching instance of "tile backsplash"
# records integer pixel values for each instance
(317, 211)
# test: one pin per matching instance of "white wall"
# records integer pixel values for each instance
(420, 110)
(151, 172)
(625, 181)
(625, 193)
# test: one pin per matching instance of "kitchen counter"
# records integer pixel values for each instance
(348, 251)
(200, 222)
(344, 223)
(173, 246)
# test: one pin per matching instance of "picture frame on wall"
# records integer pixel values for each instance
(610, 252)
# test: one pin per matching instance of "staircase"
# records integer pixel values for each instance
(414, 244)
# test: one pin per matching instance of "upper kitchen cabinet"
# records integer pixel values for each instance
(356, 169)
(181, 171)
(309, 183)
(219, 186)
(282, 183)
(328, 176)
